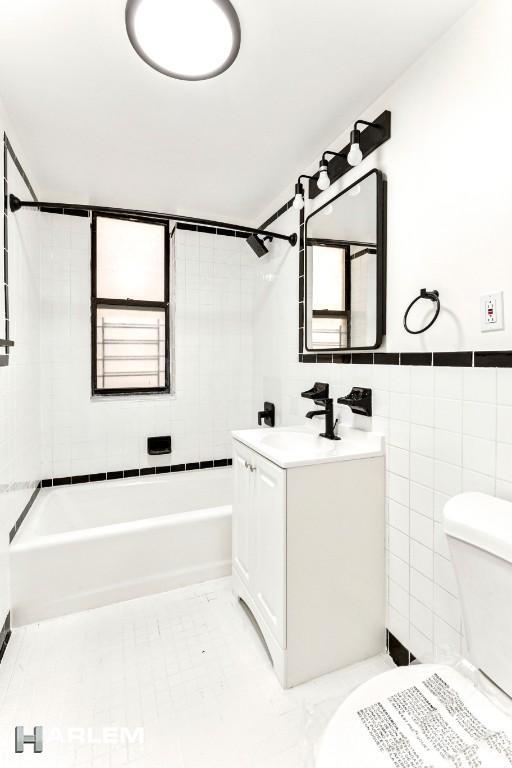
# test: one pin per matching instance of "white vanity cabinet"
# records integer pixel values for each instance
(259, 534)
(308, 554)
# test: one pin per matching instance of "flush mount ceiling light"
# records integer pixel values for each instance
(184, 39)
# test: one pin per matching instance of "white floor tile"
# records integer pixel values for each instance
(186, 666)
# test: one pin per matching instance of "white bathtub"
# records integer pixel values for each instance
(88, 545)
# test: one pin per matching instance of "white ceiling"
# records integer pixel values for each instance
(100, 126)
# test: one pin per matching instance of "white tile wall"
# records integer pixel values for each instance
(447, 429)
(20, 380)
(213, 358)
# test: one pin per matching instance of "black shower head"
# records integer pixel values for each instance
(258, 245)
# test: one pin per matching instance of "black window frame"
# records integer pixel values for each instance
(102, 302)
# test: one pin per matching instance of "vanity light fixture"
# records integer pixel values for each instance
(298, 200)
(323, 182)
(184, 39)
(355, 156)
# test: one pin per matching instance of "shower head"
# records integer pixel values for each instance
(258, 245)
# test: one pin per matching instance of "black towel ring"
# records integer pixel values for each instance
(424, 294)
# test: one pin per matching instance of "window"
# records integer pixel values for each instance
(130, 305)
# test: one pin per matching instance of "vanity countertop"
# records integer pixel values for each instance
(301, 446)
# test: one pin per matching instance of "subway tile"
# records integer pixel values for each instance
(398, 461)
(480, 385)
(399, 433)
(448, 414)
(398, 570)
(422, 499)
(422, 529)
(504, 462)
(398, 489)
(479, 455)
(399, 406)
(422, 559)
(423, 619)
(398, 544)
(479, 420)
(474, 481)
(398, 625)
(422, 440)
(504, 386)
(446, 606)
(441, 541)
(448, 447)
(447, 640)
(448, 383)
(422, 410)
(504, 490)
(422, 381)
(422, 588)
(421, 646)
(422, 470)
(398, 516)
(398, 598)
(504, 424)
(444, 574)
(447, 478)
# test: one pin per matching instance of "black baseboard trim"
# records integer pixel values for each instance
(5, 635)
(398, 652)
(14, 530)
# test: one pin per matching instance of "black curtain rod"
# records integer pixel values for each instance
(15, 204)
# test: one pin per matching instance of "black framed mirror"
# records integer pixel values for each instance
(345, 276)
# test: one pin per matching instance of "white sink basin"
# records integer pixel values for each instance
(300, 446)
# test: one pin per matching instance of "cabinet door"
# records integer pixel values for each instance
(243, 506)
(270, 517)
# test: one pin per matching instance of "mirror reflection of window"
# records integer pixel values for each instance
(330, 320)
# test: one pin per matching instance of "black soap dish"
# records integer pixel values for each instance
(159, 445)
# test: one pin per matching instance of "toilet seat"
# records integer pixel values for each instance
(414, 717)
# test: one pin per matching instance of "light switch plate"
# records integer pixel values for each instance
(491, 311)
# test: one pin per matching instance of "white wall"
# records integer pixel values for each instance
(449, 202)
(19, 382)
(448, 429)
(213, 358)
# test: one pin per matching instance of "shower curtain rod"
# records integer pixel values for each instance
(15, 204)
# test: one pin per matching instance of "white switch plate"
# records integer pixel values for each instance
(491, 311)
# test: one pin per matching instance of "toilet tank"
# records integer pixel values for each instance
(479, 531)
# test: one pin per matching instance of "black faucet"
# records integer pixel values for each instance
(319, 393)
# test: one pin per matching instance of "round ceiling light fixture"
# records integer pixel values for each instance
(185, 39)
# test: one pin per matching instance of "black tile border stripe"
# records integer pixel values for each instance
(14, 530)
(398, 652)
(121, 474)
(485, 359)
(8, 150)
(5, 635)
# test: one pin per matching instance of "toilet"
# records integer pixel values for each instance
(430, 715)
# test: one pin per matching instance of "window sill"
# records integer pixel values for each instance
(136, 398)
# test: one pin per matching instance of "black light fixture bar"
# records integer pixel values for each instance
(375, 134)
(15, 204)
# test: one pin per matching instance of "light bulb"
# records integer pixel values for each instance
(298, 201)
(323, 181)
(355, 155)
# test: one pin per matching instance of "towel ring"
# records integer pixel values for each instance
(424, 294)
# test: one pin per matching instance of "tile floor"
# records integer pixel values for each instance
(186, 666)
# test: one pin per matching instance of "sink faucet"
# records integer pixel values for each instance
(319, 393)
